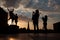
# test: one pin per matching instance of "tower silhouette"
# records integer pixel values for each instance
(28, 28)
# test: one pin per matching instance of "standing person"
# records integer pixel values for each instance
(16, 19)
(45, 22)
(35, 18)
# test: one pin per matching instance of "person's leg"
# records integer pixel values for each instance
(12, 20)
(16, 22)
(45, 26)
(34, 25)
(37, 25)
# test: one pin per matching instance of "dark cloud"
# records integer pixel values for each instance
(12, 3)
(58, 2)
(54, 5)
(55, 16)
(43, 5)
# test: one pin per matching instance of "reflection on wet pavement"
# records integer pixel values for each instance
(31, 36)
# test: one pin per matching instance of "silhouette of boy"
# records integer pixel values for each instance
(35, 18)
(11, 15)
(16, 19)
(45, 22)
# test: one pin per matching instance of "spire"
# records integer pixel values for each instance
(28, 26)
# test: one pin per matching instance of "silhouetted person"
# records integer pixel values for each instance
(16, 19)
(11, 15)
(35, 18)
(45, 22)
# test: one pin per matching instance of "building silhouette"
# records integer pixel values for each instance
(3, 17)
(56, 26)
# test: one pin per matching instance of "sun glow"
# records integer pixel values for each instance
(9, 22)
(11, 39)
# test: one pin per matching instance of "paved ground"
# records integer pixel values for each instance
(31, 36)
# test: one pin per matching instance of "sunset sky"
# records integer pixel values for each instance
(24, 9)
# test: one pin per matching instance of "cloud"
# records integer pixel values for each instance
(55, 16)
(1, 2)
(44, 5)
(13, 3)
(10, 3)
(58, 2)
